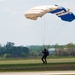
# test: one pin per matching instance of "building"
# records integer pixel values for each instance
(51, 50)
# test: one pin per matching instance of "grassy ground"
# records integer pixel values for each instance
(54, 64)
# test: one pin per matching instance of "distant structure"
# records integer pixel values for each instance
(51, 51)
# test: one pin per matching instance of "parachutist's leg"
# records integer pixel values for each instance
(43, 60)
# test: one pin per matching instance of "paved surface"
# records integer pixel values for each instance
(39, 73)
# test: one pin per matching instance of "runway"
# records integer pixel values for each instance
(39, 73)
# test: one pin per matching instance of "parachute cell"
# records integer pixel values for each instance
(39, 11)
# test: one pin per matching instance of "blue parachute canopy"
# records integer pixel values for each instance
(68, 17)
(64, 14)
(61, 12)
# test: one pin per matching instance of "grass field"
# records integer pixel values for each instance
(54, 64)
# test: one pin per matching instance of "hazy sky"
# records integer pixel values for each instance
(49, 29)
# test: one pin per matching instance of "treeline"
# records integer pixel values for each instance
(9, 50)
(65, 50)
(60, 50)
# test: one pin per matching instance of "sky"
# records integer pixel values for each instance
(49, 29)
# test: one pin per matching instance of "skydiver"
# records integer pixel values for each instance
(45, 54)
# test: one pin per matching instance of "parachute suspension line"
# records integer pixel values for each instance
(46, 30)
(45, 26)
(36, 29)
(62, 27)
(39, 11)
(52, 30)
(40, 29)
(58, 32)
(57, 29)
(42, 24)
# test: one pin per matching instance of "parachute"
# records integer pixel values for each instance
(63, 13)
(42, 25)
